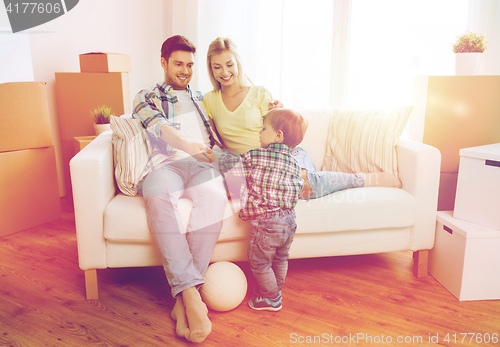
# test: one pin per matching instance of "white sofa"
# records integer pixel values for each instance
(112, 229)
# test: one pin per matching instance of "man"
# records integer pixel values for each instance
(180, 133)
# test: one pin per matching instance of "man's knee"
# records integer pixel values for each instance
(216, 195)
(213, 190)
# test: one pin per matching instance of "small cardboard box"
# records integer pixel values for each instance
(81, 141)
(30, 190)
(105, 62)
(478, 187)
(24, 115)
(465, 258)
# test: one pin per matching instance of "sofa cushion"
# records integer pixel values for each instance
(131, 152)
(125, 220)
(351, 209)
(357, 209)
(365, 140)
(317, 133)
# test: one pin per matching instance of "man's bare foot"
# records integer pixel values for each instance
(178, 314)
(306, 190)
(197, 314)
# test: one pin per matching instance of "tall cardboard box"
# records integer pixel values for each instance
(79, 93)
(68, 152)
(454, 112)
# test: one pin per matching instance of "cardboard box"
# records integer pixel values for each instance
(105, 62)
(478, 187)
(465, 258)
(81, 141)
(447, 190)
(68, 152)
(454, 112)
(77, 94)
(24, 115)
(69, 148)
(30, 190)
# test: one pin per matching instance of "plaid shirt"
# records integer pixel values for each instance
(157, 107)
(273, 179)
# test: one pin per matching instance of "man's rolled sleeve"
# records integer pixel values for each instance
(147, 107)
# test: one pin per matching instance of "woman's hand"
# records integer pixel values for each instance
(215, 155)
(275, 104)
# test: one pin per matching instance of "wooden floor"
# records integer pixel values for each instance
(344, 301)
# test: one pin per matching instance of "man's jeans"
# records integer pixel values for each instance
(185, 256)
(269, 243)
(325, 182)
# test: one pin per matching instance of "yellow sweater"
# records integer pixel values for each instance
(239, 129)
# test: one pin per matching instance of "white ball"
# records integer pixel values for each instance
(225, 286)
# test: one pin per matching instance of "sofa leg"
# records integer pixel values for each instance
(420, 262)
(91, 284)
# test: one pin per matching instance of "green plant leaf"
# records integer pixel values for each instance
(101, 114)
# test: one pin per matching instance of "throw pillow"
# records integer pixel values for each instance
(131, 152)
(364, 141)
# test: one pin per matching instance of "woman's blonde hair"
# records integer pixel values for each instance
(218, 46)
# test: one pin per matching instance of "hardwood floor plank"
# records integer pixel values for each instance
(348, 301)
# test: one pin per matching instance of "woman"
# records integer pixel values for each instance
(236, 108)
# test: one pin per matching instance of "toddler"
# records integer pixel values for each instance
(268, 199)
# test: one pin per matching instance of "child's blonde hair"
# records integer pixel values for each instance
(290, 122)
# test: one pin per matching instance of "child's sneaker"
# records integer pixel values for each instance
(265, 304)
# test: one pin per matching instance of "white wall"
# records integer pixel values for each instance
(129, 27)
(181, 18)
(484, 17)
(15, 57)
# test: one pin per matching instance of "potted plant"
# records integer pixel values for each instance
(101, 119)
(468, 49)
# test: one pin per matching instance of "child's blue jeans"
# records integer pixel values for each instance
(269, 243)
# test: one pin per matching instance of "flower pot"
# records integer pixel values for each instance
(467, 63)
(100, 128)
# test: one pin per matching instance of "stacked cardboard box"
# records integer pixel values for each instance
(105, 62)
(103, 80)
(466, 257)
(478, 188)
(28, 174)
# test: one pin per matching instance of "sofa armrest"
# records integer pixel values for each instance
(92, 179)
(419, 170)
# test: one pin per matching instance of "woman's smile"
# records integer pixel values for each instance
(224, 68)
